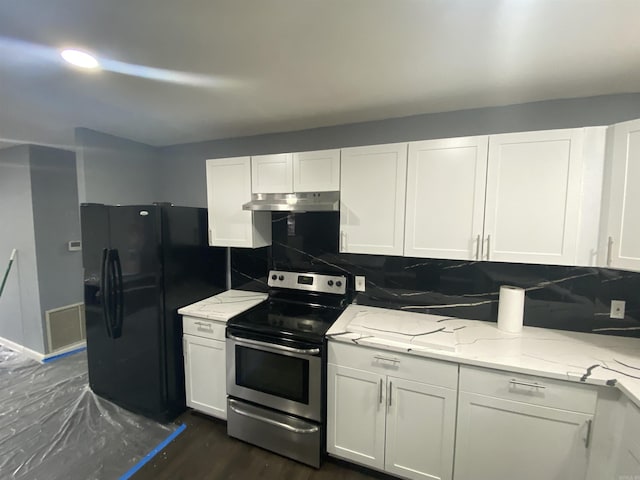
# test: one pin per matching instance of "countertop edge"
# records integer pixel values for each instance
(628, 386)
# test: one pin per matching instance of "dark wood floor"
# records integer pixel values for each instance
(204, 451)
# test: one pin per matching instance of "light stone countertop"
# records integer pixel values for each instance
(223, 306)
(578, 357)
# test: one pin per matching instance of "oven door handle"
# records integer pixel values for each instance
(274, 346)
(270, 421)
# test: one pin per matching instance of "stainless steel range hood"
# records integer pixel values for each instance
(294, 202)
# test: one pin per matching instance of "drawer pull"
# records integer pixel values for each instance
(515, 382)
(204, 324)
(386, 359)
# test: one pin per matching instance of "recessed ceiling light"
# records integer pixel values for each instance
(79, 58)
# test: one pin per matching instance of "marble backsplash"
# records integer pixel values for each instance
(565, 298)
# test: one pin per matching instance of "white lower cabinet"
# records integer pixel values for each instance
(356, 415)
(204, 366)
(513, 426)
(420, 430)
(628, 465)
(391, 412)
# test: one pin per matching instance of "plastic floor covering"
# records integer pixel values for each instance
(52, 426)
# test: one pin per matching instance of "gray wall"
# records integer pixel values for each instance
(56, 216)
(114, 170)
(183, 166)
(20, 315)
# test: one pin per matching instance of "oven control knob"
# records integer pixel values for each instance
(281, 277)
(338, 283)
(330, 283)
(274, 277)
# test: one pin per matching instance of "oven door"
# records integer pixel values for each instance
(284, 378)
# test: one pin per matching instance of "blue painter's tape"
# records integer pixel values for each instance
(153, 453)
(62, 355)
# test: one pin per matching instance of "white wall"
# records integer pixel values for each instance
(114, 170)
(20, 314)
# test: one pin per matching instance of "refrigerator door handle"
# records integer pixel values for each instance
(118, 294)
(104, 290)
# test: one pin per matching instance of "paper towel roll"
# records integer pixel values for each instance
(510, 309)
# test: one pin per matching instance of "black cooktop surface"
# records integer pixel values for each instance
(288, 320)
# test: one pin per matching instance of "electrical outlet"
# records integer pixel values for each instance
(360, 284)
(617, 309)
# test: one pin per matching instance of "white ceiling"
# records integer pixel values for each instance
(191, 70)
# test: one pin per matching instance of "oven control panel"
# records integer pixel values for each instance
(312, 282)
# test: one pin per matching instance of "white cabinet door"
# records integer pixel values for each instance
(628, 464)
(623, 202)
(629, 461)
(205, 375)
(501, 439)
(533, 196)
(421, 422)
(445, 198)
(356, 415)
(272, 173)
(316, 171)
(372, 197)
(228, 188)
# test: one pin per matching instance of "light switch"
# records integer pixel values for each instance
(360, 283)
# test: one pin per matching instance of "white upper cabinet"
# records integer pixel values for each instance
(621, 226)
(316, 171)
(272, 173)
(445, 198)
(228, 188)
(372, 199)
(532, 210)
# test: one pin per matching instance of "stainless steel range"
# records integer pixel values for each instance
(276, 358)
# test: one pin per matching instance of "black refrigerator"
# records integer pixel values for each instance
(141, 263)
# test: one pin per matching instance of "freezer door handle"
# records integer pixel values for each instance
(104, 289)
(118, 294)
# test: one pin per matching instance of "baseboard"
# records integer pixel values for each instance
(64, 351)
(16, 347)
(40, 357)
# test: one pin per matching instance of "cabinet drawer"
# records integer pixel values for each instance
(203, 327)
(384, 362)
(528, 389)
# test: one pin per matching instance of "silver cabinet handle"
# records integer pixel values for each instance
(515, 382)
(210, 237)
(478, 247)
(274, 346)
(275, 423)
(380, 399)
(204, 324)
(386, 359)
(390, 390)
(488, 246)
(587, 440)
(609, 247)
(343, 241)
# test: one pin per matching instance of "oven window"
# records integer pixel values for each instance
(279, 375)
